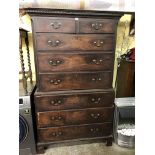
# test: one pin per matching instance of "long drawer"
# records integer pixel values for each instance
(74, 132)
(73, 81)
(74, 117)
(59, 62)
(52, 41)
(48, 102)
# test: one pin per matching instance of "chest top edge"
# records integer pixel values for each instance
(73, 13)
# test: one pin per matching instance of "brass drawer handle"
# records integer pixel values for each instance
(94, 130)
(55, 25)
(96, 79)
(54, 43)
(56, 134)
(55, 82)
(98, 43)
(97, 26)
(56, 102)
(97, 62)
(56, 118)
(53, 62)
(96, 116)
(100, 61)
(96, 100)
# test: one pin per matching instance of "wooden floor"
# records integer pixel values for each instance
(88, 149)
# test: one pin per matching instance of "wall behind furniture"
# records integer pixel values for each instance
(123, 42)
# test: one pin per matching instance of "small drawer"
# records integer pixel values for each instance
(72, 42)
(74, 81)
(74, 117)
(54, 62)
(74, 132)
(54, 24)
(48, 102)
(97, 25)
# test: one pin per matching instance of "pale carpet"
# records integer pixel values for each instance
(88, 149)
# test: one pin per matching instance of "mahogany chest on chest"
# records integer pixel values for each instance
(74, 58)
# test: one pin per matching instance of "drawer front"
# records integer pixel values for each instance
(74, 101)
(49, 62)
(74, 117)
(97, 25)
(74, 81)
(51, 41)
(74, 132)
(52, 24)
